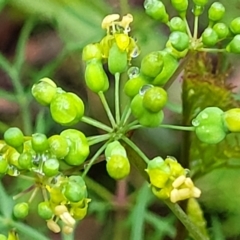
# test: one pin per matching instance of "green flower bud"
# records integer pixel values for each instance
(20, 210)
(169, 67)
(115, 148)
(58, 146)
(152, 64)
(177, 24)
(158, 171)
(67, 109)
(3, 165)
(118, 167)
(235, 25)
(216, 11)
(132, 86)
(174, 52)
(117, 59)
(180, 5)
(231, 119)
(209, 37)
(92, 51)
(78, 147)
(156, 10)
(155, 99)
(39, 142)
(44, 91)
(3, 237)
(51, 167)
(150, 119)
(95, 77)
(200, 2)
(234, 45)
(209, 125)
(74, 192)
(179, 40)
(25, 160)
(221, 29)
(44, 210)
(14, 137)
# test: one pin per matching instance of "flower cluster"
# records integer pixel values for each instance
(169, 180)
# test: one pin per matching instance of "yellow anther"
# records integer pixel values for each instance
(60, 209)
(53, 226)
(179, 181)
(196, 192)
(68, 219)
(189, 183)
(67, 230)
(108, 20)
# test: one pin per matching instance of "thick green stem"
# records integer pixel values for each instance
(117, 104)
(96, 123)
(136, 149)
(181, 215)
(107, 109)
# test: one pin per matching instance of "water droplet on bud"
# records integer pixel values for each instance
(133, 72)
(144, 88)
(195, 122)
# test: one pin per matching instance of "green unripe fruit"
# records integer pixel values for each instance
(51, 167)
(115, 148)
(235, 25)
(234, 45)
(221, 29)
(137, 108)
(14, 137)
(74, 192)
(177, 24)
(3, 237)
(25, 160)
(20, 210)
(180, 5)
(209, 37)
(169, 67)
(155, 99)
(78, 147)
(44, 91)
(3, 165)
(152, 64)
(179, 40)
(44, 210)
(118, 167)
(95, 77)
(58, 146)
(200, 2)
(209, 125)
(231, 119)
(67, 109)
(150, 119)
(39, 142)
(117, 60)
(158, 171)
(132, 86)
(216, 11)
(156, 10)
(92, 51)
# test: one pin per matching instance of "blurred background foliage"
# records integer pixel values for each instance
(45, 38)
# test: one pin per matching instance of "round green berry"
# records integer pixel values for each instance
(25, 160)
(51, 167)
(221, 29)
(95, 77)
(152, 64)
(44, 91)
(58, 146)
(180, 5)
(44, 210)
(21, 210)
(179, 40)
(74, 192)
(14, 137)
(92, 51)
(216, 11)
(234, 45)
(177, 24)
(155, 99)
(209, 37)
(235, 25)
(118, 167)
(115, 148)
(39, 142)
(156, 10)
